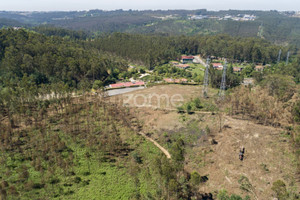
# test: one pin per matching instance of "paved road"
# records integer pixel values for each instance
(122, 90)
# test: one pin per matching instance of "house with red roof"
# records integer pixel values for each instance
(187, 59)
(259, 68)
(218, 66)
(237, 69)
(169, 80)
(182, 80)
(127, 84)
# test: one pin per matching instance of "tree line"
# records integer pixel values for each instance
(152, 50)
(51, 59)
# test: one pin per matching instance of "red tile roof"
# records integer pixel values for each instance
(217, 64)
(170, 80)
(237, 69)
(127, 84)
(187, 57)
(116, 85)
(259, 67)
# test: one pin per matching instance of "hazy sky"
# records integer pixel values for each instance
(51, 5)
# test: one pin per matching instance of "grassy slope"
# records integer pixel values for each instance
(197, 69)
(102, 176)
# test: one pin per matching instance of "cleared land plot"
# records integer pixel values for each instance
(268, 156)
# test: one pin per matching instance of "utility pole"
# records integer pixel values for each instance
(279, 56)
(287, 58)
(223, 83)
(206, 78)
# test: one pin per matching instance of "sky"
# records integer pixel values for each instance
(68, 5)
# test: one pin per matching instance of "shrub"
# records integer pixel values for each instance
(77, 179)
(279, 189)
(142, 71)
(54, 181)
(180, 109)
(195, 178)
(38, 186)
(97, 84)
(137, 158)
(296, 111)
(189, 108)
(222, 195)
(197, 103)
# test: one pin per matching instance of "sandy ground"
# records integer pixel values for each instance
(268, 158)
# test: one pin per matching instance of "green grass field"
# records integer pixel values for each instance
(197, 69)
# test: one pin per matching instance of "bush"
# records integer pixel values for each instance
(222, 195)
(142, 71)
(197, 103)
(180, 109)
(54, 181)
(189, 108)
(38, 186)
(296, 111)
(77, 179)
(279, 189)
(137, 158)
(195, 178)
(97, 84)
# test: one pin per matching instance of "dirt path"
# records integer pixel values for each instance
(167, 109)
(156, 144)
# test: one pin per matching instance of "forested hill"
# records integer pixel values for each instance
(151, 50)
(77, 61)
(5, 22)
(54, 59)
(278, 27)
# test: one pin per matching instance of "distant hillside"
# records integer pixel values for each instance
(10, 23)
(278, 27)
(106, 23)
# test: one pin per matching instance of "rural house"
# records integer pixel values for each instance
(237, 69)
(187, 59)
(259, 68)
(217, 66)
(127, 84)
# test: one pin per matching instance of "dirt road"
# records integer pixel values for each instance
(156, 144)
(200, 60)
